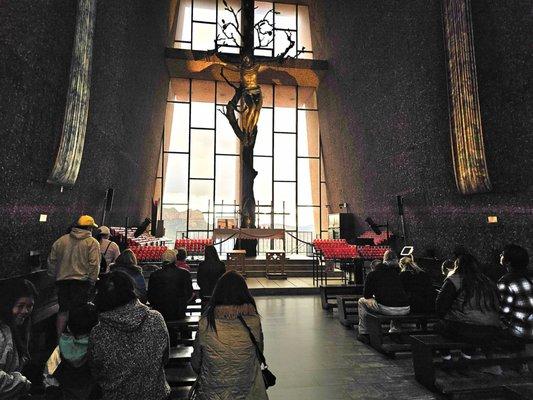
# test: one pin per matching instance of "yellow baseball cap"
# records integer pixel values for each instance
(86, 220)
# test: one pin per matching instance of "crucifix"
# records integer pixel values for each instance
(243, 110)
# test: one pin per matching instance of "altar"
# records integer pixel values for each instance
(249, 234)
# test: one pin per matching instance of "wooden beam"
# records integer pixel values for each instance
(191, 64)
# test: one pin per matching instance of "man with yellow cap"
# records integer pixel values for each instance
(74, 261)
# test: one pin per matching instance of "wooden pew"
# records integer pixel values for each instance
(347, 310)
(463, 377)
(377, 333)
(329, 293)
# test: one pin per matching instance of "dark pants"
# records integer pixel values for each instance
(480, 336)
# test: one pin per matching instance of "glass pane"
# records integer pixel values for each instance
(205, 10)
(177, 127)
(175, 185)
(263, 180)
(306, 56)
(309, 219)
(202, 153)
(263, 10)
(225, 17)
(178, 90)
(286, 19)
(324, 209)
(285, 109)
(282, 40)
(175, 218)
(202, 105)
(308, 182)
(201, 194)
(284, 157)
(227, 179)
(185, 46)
(183, 25)
(267, 95)
(203, 36)
(264, 53)
(224, 93)
(227, 142)
(308, 134)
(285, 192)
(307, 97)
(304, 29)
(263, 143)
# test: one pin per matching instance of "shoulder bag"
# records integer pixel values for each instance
(268, 377)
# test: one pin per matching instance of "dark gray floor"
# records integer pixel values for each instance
(316, 358)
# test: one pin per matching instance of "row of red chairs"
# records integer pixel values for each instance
(148, 253)
(372, 251)
(193, 245)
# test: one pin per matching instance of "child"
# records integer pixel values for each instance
(67, 374)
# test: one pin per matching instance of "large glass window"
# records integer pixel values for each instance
(199, 23)
(198, 178)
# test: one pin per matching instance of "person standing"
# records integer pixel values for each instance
(74, 261)
(16, 305)
(109, 249)
(127, 262)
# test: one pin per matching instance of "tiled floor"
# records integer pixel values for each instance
(316, 358)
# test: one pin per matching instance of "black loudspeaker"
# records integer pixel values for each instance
(109, 199)
(399, 200)
(142, 228)
(373, 226)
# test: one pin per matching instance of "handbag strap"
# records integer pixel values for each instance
(107, 248)
(260, 354)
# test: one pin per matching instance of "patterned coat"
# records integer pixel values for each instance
(127, 351)
(226, 360)
(12, 383)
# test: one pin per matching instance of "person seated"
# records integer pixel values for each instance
(67, 374)
(127, 263)
(384, 294)
(418, 286)
(209, 271)
(468, 306)
(447, 268)
(170, 288)
(224, 355)
(181, 256)
(16, 305)
(516, 293)
(129, 347)
(390, 258)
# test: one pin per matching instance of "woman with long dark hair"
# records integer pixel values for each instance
(209, 271)
(16, 305)
(224, 356)
(418, 286)
(468, 304)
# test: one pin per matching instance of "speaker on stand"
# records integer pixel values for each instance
(399, 200)
(108, 204)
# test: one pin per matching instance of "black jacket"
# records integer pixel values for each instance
(169, 291)
(208, 274)
(384, 284)
(419, 290)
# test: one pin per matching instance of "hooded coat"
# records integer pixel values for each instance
(75, 256)
(127, 352)
(12, 383)
(127, 262)
(226, 360)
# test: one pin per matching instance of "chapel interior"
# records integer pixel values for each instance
(302, 138)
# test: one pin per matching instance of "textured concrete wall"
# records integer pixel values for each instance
(384, 120)
(126, 111)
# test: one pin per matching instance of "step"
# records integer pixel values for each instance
(179, 393)
(184, 376)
